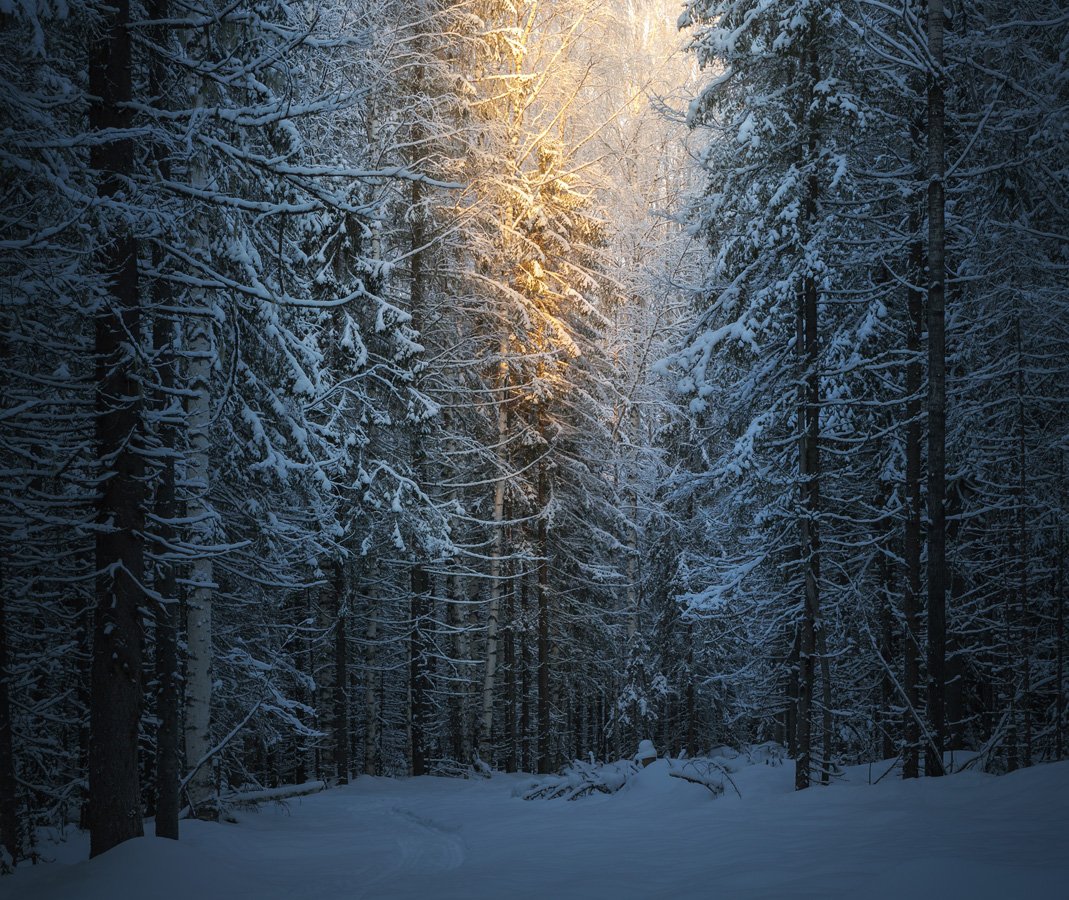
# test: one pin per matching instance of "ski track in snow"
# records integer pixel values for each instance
(423, 845)
(969, 836)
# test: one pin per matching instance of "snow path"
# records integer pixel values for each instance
(967, 836)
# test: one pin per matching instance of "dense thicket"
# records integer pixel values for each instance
(333, 438)
(877, 374)
(316, 458)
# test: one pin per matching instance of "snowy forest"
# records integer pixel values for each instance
(463, 387)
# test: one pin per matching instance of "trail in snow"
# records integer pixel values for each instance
(967, 836)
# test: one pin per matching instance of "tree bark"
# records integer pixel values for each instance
(936, 397)
(165, 501)
(1059, 729)
(812, 641)
(511, 754)
(1024, 643)
(341, 676)
(525, 678)
(9, 811)
(458, 700)
(167, 677)
(911, 551)
(793, 693)
(115, 679)
(168, 773)
(198, 684)
(691, 740)
(419, 686)
(496, 557)
(887, 688)
(543, 704)
(955, 671)
(809, 479)
(371, 706)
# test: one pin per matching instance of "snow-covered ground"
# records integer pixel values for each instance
(967, 836)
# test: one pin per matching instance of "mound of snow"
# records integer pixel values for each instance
(147, 866)
(968, 835)
(581, 779)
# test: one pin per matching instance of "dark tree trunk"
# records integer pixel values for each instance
(1009, 681)
(827, 738)
(372, 697)
(911, 645)
(312, 757)
(691, 709)
(115, 692)
(544, 762)
(455, 621)
(956, 655)
(168, 732)
(341, 676)
(1059, 634)
(81, 613)
(419, 687)
(511, 754)
(936, 399)
(812, 642)
(887, 688)
(9, 813)
(525, 679)
(1024, 642)
(809, 472)
(1059, 599)
(793, 684)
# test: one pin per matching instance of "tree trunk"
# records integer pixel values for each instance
(115, 680)
(496, 556)
(827, 737)
(341, 676)
(887, 687)
(955, 689)
(936, 398)
(543, 706)
(168, 731)
(793, 693)
(1009, 681)
(691, 711)
(812, 637)
(9, 812)
(458, 700)
(511, 751)
(198, 684)
(808, 466)
(167, 675)
(1024, 643)
(633, 598)
(371, 706)
(911, 645)
(1059, 599)
(525, 678)
(419, 686)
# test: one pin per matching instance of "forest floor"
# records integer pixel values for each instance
(966, 836)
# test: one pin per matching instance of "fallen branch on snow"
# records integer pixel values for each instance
(582, 778)
(707, 772)
(266, 795)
